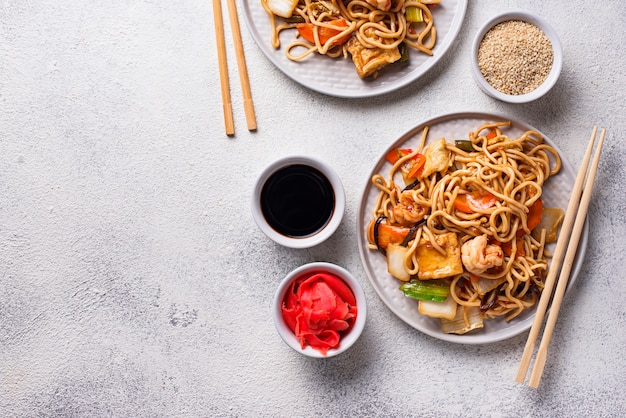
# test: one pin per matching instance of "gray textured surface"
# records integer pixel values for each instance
(133, 281)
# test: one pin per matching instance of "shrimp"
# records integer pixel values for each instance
(477, 256)
(407, 212)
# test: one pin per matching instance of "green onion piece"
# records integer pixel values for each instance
(404, 52)
(414, 14)
(418, 289)
(464, 145)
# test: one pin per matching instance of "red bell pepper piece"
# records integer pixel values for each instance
(414, 165)
(395, 154)
(391, 234)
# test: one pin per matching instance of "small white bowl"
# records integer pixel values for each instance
(348, 339)
(317, 237)
(557, 63)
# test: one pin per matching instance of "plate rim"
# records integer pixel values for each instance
(455, 27)
(468, 339)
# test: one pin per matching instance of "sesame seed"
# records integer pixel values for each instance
(515, 57)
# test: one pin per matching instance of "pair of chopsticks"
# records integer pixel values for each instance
(573, 223)
(223, 67)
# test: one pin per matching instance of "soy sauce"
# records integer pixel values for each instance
(297, 200)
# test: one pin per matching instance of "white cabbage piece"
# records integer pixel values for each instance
(282, 8)
(446, 309)
(457, 324)
(437, 158)
(395, 262)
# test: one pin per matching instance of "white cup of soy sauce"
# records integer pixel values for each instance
(298, 201)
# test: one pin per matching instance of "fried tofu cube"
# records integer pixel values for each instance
(434, 265)
(368, 61)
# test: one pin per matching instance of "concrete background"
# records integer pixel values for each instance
(134, 282)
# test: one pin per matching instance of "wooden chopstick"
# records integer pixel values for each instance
(223, 68)
(555, 263)
(542, 353)
(574, 219)
(241, 64)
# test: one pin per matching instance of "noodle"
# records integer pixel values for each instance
(489, 197)
(354, 26)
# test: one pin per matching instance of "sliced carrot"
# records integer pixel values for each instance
(507, 248)
(461, 204)
(306, 30)
(535, 213)
(492, 134)
(418, 163)
(533, 218)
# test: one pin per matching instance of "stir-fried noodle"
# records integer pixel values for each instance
(374, 24)
(490, 199)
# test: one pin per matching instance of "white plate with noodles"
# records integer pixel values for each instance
(337, 76)
(556, 192)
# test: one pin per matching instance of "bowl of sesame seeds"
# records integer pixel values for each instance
(516, 57)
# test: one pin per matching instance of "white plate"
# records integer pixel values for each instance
(556, 193)
(338, 77)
